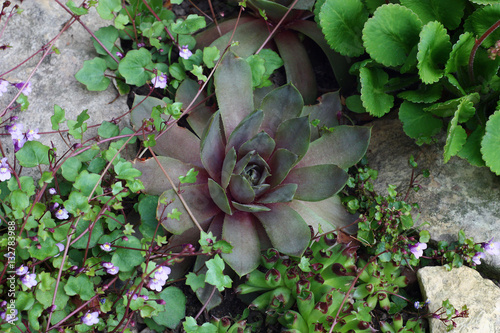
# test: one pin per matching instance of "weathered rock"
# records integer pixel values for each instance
(53, 82)
(456, 196)
(462, 286)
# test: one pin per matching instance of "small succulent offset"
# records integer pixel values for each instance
(261, 180)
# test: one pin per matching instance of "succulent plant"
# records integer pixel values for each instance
(412, 325)
(252, 31)
(261, 180)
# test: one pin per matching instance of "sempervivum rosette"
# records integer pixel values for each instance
(264, 175)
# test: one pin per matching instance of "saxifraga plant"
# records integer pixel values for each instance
(439, 57)
(261, 178)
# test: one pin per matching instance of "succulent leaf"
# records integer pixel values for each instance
(281, 193)
(246, 130)
(197, 198)
(294, 135)
(344, 147)
(219, 196)
(154, 179)
(239, 230)
(250, 208)
(262, 143)
(282, 224)
(281, 163)
(212, 148)
(250, 36)
(233, 87)
(241, 189)
(228, 167)
(281, 104)
(316, 183)
(200, 115)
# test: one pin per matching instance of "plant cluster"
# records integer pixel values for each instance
(243, 179)
(435, 60)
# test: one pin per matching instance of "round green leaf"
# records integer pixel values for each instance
(105, 8)
(175, 307)
(417, 123)
(391, 33)
(32, 154)
(425, 94)
(81, 286)
(373, 96)
(97, 232)
(448, 12)
(133, 66)
(481, 20)
(92, 74)
(128, 259)
(490, 145)
(460, 52)
(107, 36)
(342, 22)
(433, 52)
(455, 139)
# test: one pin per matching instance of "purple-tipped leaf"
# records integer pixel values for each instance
(197, 198)
(316, 183)
(239, 230)
(262, 143)
(228, 167)
(281, 104)
(281, 163)
(219, 196)
(344, 147)
(281, 193)
(294, 135)
(282, 224)
(299, 70)
(154, 179)
(246, 130)
(233, 88)
(328, 213)
(212, 148)
(241, 189)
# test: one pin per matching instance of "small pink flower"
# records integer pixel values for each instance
(29, 280)
(162, 273)
(4, 170)
(32, 135)
(22, 270)
(477, 258)
(418, 249)
(26, 90)
(3, 86)
(106, 247)
(492, 248)
(160, 80)
(62, 214)
(52, 191)
(156, 284)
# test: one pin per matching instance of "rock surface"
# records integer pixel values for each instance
(462, 286)
(456, 196)
(53, 82)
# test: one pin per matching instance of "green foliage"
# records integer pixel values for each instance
(437, 54)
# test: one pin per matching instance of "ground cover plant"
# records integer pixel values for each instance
(236, 172)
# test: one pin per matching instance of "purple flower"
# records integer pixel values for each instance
(418, 249)
(4, 170)
(21, 270)
(162, 273)
(107, 265)
(119, 55)
(492, 248)
(106, 247)
(62, 214)
(32, 135)
(184, 52)
(29, 280)
(3, 86)
(156, 284)
(477, 258)
(11, 316)
(61, 248)
(26, 90)
(113, 270)
(90, 318)
(52, 191)
(140, 45)
(18, 141)
(160, 81)
(15, 128)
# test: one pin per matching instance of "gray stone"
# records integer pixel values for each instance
(462, 286)
(53, 82)
(456, 196)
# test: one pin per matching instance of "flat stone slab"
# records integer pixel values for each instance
(462, 286)
(456, 196)
(53, 82)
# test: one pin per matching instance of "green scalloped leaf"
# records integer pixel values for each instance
(373, 96)
(418, 124)
(455, 138)
(465, 106)
(490, 145)
(471, 151)
(433, 52)
(342, 22)
(485, 2)
(481, 20)
(425, 94)
(448, 12)
(460, 53)
(92, 74)
(391, 33)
